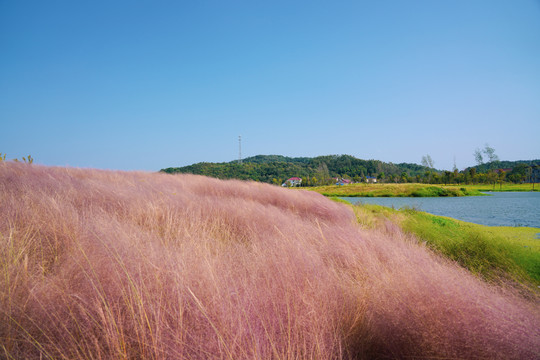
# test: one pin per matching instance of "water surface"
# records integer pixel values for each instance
(498, 209)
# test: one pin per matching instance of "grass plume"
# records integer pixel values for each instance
(102, 264)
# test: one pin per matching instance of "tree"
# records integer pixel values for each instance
(427, 161)
(502, 176)
(519, 173)
(472, 173)
(427, 176)
(323, 174)
(447, 176)
(488, 151)
(535, 174)
(492, 178)
(478, 157)
(404, 177)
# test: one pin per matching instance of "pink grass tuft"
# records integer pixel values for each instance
(102, 264)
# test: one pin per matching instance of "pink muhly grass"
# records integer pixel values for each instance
(102, 264)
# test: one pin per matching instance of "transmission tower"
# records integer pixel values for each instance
(239, 149)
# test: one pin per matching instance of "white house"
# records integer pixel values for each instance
(371, 179)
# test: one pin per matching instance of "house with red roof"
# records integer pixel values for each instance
(294, 181)
(343, 182)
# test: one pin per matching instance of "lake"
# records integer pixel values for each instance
(498, 209)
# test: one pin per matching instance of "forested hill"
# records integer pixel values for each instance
(523, 164)
(313, 171)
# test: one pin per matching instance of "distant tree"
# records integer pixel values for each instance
(481, 178)
(472, 174)
(447, 177)
(427, 176)
(381, 177)
(502, 176)
(535, 174)
(323, 174)
(519, 173)
(492, 177)
(404, 177)
(427, 161)
(490, 153)
(478, 157)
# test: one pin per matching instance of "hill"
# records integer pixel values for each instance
(315, 171)
(322, 170)
(104, 264)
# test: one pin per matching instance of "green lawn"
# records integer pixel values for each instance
(392, 190)
(503, 187)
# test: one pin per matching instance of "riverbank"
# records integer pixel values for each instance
(498, 209)
(394, 190)
(499, 187)
(503, 255)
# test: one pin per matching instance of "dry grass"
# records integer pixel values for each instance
(100, 265)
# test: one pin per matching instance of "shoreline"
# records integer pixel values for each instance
(415, 190)
(495, 253)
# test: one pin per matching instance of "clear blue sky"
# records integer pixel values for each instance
(143, 85)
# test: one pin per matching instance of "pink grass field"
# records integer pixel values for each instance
(131, 265)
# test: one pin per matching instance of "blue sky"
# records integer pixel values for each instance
(143, 85)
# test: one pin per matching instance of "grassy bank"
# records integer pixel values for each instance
(128, 265)
(500, 187)
(393, 190)
(502, 255)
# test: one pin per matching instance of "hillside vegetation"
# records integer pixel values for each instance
(127, 265)
(319, 170)
(324, 170)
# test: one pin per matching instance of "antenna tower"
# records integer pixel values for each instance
(239, 149)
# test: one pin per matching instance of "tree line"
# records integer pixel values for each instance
(324, 170)
(321, 170)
